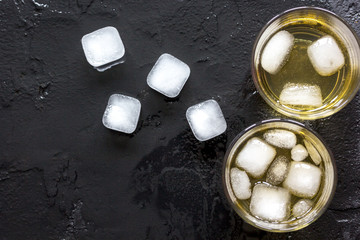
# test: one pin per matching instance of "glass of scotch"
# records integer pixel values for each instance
(306, 63)
(279, 175)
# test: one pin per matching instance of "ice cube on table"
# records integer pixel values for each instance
(278, 170)
(240, 183)
(255, 157)
(303, 179)
(122, 113)
(206, 120)
(314, 154)
(168, 76)
(299, 153)
(277, 51)
(270, 203)
(301, 95)
(301, 207)
(103, 48)
(280, 138)
(326, 56)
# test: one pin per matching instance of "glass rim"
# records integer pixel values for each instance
(310, 116)
(290, 121)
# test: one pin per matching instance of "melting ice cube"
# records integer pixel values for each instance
(168, 76)
(103, 48)
(122, 113)
(314, 154)
(301, 207)
(278, 170)
(299, 153)
(255, 157)
(270, 203)
(303, 179)
(280, 138)
(301, 94)
(240, 183)
(326, 56)
(206, 120)
(277, 51)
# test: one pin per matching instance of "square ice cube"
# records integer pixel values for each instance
(280, 138)
(255, 157)
(301, 207)
(240, 183)
(206, 120)
(277, 51)
(303, 179)
(301, 95)
(278, 170)
(326, 56)
(314, 154)
(103, 48)
(122, 113)
(168, 76)
(270, 203)
(299, 153)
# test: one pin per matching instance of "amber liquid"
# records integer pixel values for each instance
(298, 68)
(245, 204)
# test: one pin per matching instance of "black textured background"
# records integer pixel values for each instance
(65, 176)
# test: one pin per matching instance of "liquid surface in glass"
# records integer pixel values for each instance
(300, 137)
(298, 68)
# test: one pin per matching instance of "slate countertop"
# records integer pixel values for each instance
(64, 176)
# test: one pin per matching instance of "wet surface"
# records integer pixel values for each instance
(64, 176)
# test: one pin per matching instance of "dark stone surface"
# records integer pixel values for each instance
(64, 176)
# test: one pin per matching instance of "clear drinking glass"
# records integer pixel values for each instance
(321, 200)
(309, 24)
